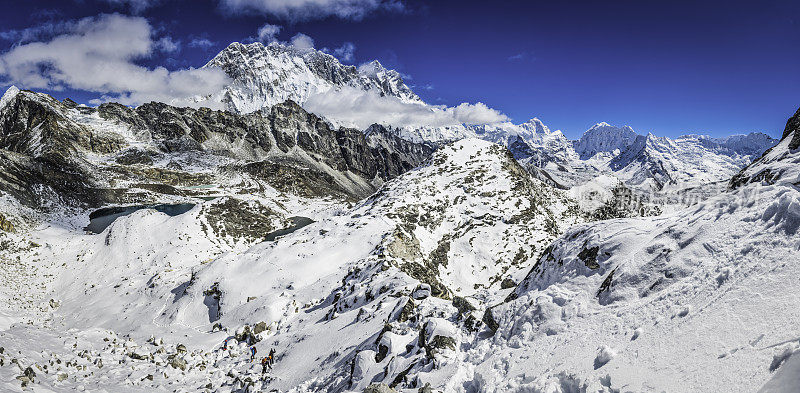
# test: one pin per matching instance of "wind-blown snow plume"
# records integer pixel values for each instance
(267, 33)
(98, 54)
(302, 41)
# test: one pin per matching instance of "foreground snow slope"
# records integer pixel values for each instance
(676, 298)
(703, 299)
(451, 235)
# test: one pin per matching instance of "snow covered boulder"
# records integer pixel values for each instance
(391, 343)
(364, 367)
(786, 378)
(438, 335)
(604, 355)
(421, 292)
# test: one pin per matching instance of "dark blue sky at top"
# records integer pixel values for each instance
(667, 67)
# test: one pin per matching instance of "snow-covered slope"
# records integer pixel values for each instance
(263, 76)
(781, 164)
(694, 301)
(701, 299)
(9, 95)
(385, 291)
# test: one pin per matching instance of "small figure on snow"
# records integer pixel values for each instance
(225, 345)
(264, 365)
(253, 353)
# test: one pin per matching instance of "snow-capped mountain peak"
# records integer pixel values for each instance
(263, 76)
(8, 96)
(604, 138)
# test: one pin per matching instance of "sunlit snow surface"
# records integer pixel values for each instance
(702, 299)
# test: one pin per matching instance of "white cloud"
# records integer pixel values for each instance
(202, 43)
(522, 56)
(267, 33)
(35, 33)
(358, 108)
(302, 41)
(168, 45)
(98, 55)
(345, 53)
(300, 10)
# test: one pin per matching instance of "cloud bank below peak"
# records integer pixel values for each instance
(357, 108)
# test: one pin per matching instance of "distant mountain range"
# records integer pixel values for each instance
(264, 76)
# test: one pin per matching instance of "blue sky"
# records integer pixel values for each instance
(667, 67)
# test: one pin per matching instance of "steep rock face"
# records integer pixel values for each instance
(779, 164)
(263, 76)
(393, 154)
(793, 128)
(103, 153)
(35, 125)
(40, 149)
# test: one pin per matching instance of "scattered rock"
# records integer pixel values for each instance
(260, 327)
(137, 356)
(407, 312)
(507, 283)
(489, 320)
(425, 389)
(28, 376)
(784, 353)
(379, 388)
(177, 363)
(421, 292)
(604, 355)
(437, 335)
(463, 305)
(5, 224)
(245, 334)
(589, 257)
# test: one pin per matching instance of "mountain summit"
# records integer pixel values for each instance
(263, 76)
